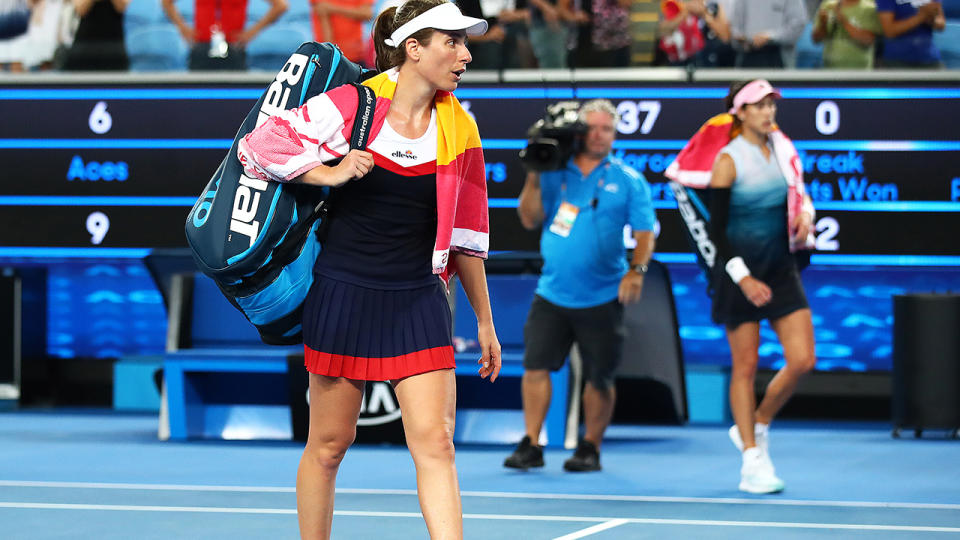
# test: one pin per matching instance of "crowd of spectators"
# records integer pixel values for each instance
(850, 34)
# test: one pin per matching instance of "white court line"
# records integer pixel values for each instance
(145, 487)
(592, 530)
(493, 494)
(498, 517)
(147, 508)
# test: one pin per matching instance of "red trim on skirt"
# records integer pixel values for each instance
(378, 369)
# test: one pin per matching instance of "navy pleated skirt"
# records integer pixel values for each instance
(372, 334)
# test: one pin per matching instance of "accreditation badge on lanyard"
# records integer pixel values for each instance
(563, 221)
(567, 213)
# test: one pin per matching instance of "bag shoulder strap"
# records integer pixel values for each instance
(361, 122)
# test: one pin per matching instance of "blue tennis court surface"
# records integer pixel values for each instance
(98, 474)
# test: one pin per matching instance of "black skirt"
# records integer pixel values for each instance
(370, 334)
(732, 308)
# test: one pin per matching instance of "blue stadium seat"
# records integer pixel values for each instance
(809, 54)
(948, 42)
(951, 8)
(156, 47)
(143, 12)
(298, 12)
(272, 47)
(256, 9)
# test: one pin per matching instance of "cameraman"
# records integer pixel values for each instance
(585, 280)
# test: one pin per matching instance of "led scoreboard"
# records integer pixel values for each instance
(110, 167)
(94, 167)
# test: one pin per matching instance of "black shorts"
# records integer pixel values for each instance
(551, 330)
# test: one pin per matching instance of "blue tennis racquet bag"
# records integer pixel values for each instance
(257, 239)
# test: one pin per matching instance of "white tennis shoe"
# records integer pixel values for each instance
(757, 474)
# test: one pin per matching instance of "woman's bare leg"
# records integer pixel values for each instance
(795, 332)
(429, 402)
(744, 343)
(334, 410)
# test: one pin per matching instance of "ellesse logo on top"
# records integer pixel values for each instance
(407, 154)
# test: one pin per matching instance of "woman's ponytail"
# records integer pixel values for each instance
(387, 56)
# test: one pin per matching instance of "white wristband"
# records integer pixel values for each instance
(737, 269)
(808, 208)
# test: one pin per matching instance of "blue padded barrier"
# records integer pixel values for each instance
(221, 380)
(510, 299)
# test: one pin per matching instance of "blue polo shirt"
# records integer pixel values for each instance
(584, 269)
(913, 47)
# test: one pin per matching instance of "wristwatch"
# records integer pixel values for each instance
(639, 268)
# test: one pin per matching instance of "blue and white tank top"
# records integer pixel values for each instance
(757, 229)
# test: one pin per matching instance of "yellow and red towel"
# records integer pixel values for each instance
(462, 215)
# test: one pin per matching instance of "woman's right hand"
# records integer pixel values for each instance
(756, 291)
(354, 165)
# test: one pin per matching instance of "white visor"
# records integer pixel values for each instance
(446, 16)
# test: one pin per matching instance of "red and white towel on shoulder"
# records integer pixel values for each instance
(295, 141)
(694, 164)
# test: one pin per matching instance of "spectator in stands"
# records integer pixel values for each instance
(602, 39)
(15, 18)
(400, 224)
(766, 31)
(506, 45)
(715, 26)
(29, 34)
(548, 30)
(515, 18)
(681, 38)
(908, 31)
(98, 43)
(487, 50)
(218, 38)
(341, 22)
(44, 34)
(849, 29)
(585, 281)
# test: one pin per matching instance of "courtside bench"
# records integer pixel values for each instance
(220, 380)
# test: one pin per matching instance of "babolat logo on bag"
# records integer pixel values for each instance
(253, 237)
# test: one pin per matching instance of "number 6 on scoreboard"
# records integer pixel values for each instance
(97, 225)
(100, 120)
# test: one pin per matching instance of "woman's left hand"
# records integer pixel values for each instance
(490, 346)
(802, 224)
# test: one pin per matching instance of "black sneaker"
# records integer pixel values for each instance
(585, 458)
(525, 456)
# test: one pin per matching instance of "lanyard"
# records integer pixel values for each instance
(596, 190)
